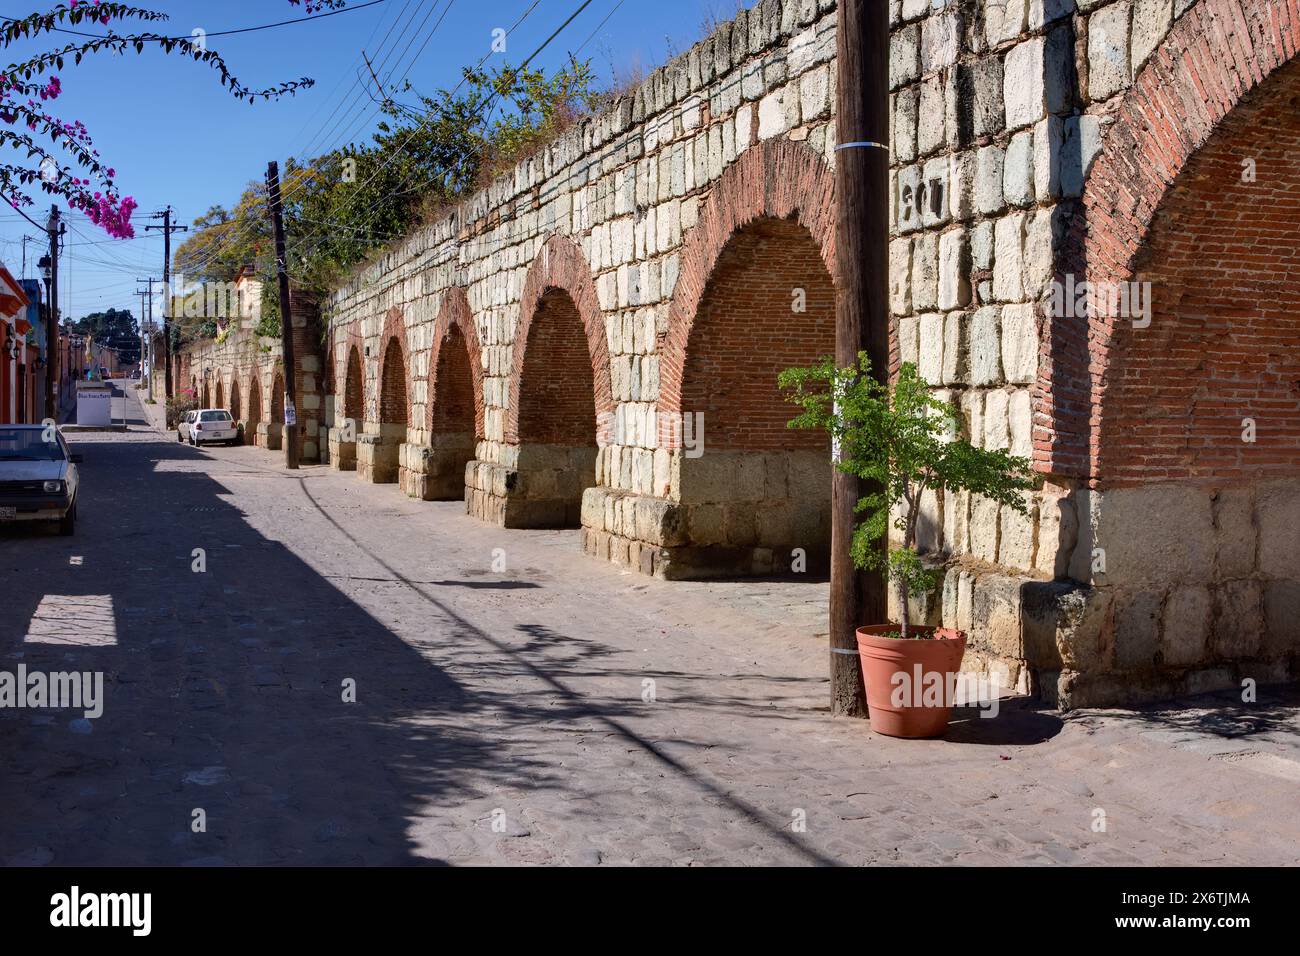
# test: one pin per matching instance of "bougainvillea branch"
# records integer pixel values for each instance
(88, 183)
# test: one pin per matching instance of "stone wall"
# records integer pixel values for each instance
(683, 246)
(247, 372)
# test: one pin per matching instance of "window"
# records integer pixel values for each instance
(29, 444)
(215, 416)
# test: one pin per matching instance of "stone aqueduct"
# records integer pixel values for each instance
(538, 352)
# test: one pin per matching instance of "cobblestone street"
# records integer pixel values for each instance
(519, 698)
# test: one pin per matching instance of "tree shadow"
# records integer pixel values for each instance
(224, 693)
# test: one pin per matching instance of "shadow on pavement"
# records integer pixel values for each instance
(224, 692)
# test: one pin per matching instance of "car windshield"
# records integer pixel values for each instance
(215, 417)
(29, 444)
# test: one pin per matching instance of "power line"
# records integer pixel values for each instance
(401, 147)
(225, 244)
(218, 33)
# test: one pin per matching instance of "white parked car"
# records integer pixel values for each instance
(38, 477)
(212, 425)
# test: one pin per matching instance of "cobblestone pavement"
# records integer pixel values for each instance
(516, 698)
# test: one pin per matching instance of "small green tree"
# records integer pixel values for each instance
(904, 441)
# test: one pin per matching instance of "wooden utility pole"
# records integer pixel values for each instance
(861, 307)
(286, 320)
(53, 362)
(167, 230)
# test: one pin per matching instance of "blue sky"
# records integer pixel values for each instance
(176, 136)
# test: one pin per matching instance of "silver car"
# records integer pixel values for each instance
(38, 477)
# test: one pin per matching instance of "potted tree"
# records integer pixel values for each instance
(904, 442)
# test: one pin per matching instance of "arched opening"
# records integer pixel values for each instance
(271, 435)
(755, 494)
(206, 397)
(392, 392)
(557, 417)
(354, 395)
(221, 397)
(379, 453)
(349, 413)
(1198, 442)
(452, 428)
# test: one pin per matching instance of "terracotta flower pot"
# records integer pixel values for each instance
(910, 683)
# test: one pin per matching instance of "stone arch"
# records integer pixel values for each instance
(206, 396)
(775, 180)
(1198, 583)
(354, 387)
(1215, 55)
(455, 337)
(221, 394)
(560, 267)
(756, 296)
(454, 405)
(380, 449)
(236, 406)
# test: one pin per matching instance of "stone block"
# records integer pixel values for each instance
(1019, 333)
(1281, 619)
(1238, 619)
(925, 272)
(1278, 507)
(1151, 20)
(956, 358)
(1137, 629)
(986, 93)
(1149, 536)
(1108, 46)
(984, 528)
(1186, 625)
(989, 196)
(930, 116)
(1008, 258)
(985, 347)
(1018, 170)
(1236, 536)
(997, 420)
(931, 348)
(954, 270)
(996, 615)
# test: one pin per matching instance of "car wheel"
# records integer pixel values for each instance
(68, 523)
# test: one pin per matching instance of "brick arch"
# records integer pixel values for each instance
(456, 316)
(352, 375)
(561, 267)
(389, 403)
(1216, 54)
(775, 179)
